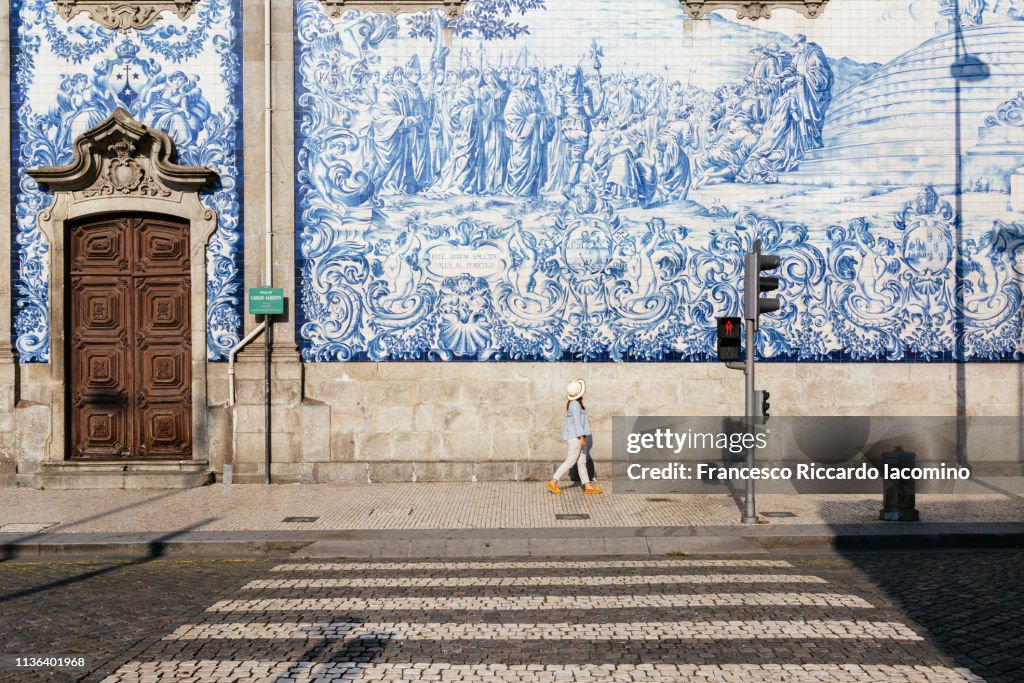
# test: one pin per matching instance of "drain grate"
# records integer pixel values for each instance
(300, 520)
(778, 514)
(659, 500)
(572, 516)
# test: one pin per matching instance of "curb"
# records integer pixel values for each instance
(651, 542)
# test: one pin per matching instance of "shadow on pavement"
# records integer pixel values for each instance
(969, 604)
(157, 548)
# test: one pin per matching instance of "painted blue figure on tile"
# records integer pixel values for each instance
(396, 127)
(462, 170)
(178, 108)
(529, 127)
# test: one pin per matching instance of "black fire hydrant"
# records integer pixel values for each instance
(898, 494)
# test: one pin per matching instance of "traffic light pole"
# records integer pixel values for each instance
(749, 509)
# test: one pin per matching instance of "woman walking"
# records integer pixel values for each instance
(575, 433)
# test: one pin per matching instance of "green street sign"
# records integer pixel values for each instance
(266, 301)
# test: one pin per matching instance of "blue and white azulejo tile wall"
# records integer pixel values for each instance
(182, 77)
(578, 180)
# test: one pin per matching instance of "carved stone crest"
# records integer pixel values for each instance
(125, 175)
(125, 16)
(123, 157)
(452, 8)
(753, 9)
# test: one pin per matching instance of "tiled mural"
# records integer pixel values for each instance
(182, 77)
(578, 179)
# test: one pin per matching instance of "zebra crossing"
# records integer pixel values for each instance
(658, 620)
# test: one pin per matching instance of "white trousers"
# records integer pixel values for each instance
(576, 454)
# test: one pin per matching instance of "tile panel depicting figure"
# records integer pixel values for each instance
(578, 180)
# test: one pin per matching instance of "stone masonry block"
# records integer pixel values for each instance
(32, 423)
(327, 472)
(374, 447)
(408, 370)
(249, 418)
(466, 446)
(346, 419)
(534, 471)
(384, 418)
(495, 471)
(423, 418)
(503, 392)
(315, 431)
(343, 446)
(285, 419)
(441, 391)
(500, 418)
(248, 392)
(395, 392)
(444, 471)
(249, 448)
(390, 471)
(418, 446)
(286, 392)
(510, 445)
(291, 370)
(334, 392)
(457, 418)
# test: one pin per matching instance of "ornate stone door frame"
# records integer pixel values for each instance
(123, 166)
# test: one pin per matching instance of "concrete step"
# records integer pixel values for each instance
(174, 474)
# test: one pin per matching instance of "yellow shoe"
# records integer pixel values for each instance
(590, 488)
(554, 488)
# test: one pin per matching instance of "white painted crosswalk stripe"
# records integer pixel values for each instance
(524, 566)
(654, 630)
(221, 671)
(543, 602)
(508, 581)
(418, 631)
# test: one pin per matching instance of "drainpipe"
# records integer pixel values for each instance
(256, 331)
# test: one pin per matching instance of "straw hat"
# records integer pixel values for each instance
(575, 389)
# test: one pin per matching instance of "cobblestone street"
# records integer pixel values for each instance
(925, 616)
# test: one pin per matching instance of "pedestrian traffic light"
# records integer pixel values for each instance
(730, 331)
(754, 284)
(761, 404)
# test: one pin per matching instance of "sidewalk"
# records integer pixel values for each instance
(493, 519)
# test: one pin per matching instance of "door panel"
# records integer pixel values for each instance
(101, 248)
(161, 247)
(130, 335)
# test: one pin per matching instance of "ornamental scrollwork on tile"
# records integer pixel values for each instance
(756, 9)
(1009, 113)
(125, 16)
(452, 8)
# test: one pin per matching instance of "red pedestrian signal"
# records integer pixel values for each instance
(730, 331)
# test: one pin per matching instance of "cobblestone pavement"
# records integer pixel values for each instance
(428, 505)
(924, 616)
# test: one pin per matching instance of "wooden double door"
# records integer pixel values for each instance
(129, 338)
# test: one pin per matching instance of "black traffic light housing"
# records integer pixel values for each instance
(761, 404)
(755, 284)
(730, 332)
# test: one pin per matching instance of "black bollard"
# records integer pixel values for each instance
(898, 495)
